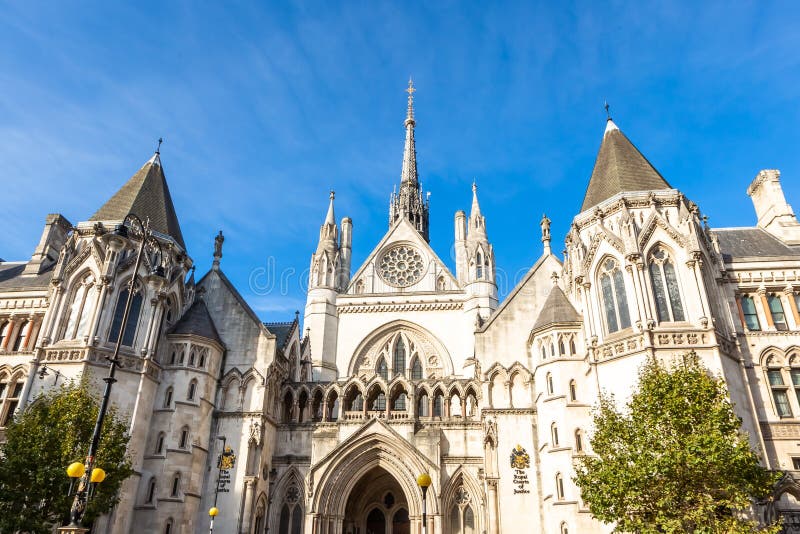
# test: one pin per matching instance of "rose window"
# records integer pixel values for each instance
(401, 266)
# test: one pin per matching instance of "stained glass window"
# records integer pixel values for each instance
(615, 301)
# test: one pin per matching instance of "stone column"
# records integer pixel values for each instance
(762, 292)
(789, 292)
(12, 323)
(249, 484)
(97, 313)
(28, 345)
(494, 509)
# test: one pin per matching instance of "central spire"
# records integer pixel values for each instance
(409, 203)
(409, 172)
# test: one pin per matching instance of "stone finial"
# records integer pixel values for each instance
(218, 250)
(545, 225)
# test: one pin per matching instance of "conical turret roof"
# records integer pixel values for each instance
(146, 194)
(620, 167)
(557, 309)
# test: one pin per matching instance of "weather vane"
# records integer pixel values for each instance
(158, 148)
(608, 113)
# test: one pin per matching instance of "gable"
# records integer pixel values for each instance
(402, 262)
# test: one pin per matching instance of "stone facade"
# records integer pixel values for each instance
(403, 367)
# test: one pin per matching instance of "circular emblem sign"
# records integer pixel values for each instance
(401, 266)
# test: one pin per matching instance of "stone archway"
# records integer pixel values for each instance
(376, 505)
(374, 459)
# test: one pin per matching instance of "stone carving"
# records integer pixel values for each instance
(401, 266)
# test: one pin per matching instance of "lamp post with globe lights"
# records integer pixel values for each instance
(130, 229)
(424, 481)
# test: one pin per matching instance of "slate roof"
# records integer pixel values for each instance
(11, 277)
(282, 331)
(743, 243)
(557, 309)
(146, 194)
(620, 167)
(197, 321)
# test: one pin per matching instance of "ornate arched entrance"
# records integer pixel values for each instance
(356, 478)
(376, 505)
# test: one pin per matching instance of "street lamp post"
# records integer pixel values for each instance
(214, 510)
(424, 482)
(116, 241)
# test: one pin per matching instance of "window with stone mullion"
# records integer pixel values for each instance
(665, 288)
(615, 300)
(779, 393)
(399, 360)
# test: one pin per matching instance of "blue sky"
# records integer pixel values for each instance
(264, 107)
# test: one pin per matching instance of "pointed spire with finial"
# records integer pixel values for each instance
(409, 202)
(217, 250)
(610, 126)
(330, 218)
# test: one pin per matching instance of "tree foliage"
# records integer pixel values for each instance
(41, 442)
(676, 460)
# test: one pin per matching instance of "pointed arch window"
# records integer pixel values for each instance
(422, 405)
(416, 369)
(168, 398)
(159, 449)
(554, 434)
(77, 324)
(168, 527)
(779, 394)
(291, 518)
(438, 404)
(559, 487)
(578, 440)
(573, 390)
(383, 369)
(184, 441)
(479, 266)
(549, 383)
(615, 300)
(176, 485)
(150, 495)
(399, 361)
(129, 333)
(192, 390)
(462, 516)
(665, 286)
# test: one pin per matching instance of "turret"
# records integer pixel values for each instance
(479, 279)
(328, 275)
(461, 246)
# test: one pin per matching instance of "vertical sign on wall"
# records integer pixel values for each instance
(520, 461)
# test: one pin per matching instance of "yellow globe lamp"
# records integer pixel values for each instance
(214, 511)
(424, 480)
(98, 475)
(75, 470)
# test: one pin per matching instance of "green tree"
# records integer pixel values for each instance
(675, 460)
(41, 442)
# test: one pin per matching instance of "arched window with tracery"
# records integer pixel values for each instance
(615, 300)
(462, 516)
(416, 369)
(665, 286)
(291, 518)
(382, 369)
(129, 332)
(399, 361)
(77, 323)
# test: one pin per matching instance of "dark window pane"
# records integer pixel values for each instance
(775, 377)
(399, 363)
(608, 303)
(133, 320)
(383, 370)
(776, 309)
(283, 528)
(297, 520)
(622, 300)
(782, 403)
(662, 311)
(750, 315)
(116, 323)
(674, 294)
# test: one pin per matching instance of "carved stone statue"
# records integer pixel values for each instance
(545, 224)
(218, 245)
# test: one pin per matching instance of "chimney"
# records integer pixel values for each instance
(55, 233)
(774, 214)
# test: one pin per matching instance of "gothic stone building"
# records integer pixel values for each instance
(403, 366)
